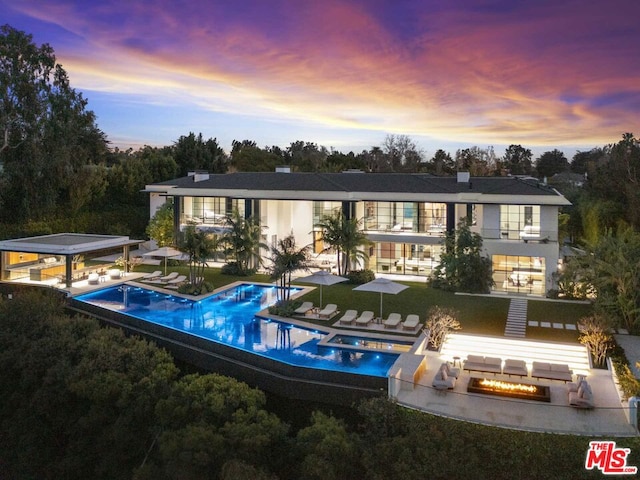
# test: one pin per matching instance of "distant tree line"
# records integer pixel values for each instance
(58, 172)
(81, 401)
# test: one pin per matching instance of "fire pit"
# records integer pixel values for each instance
(525, 391)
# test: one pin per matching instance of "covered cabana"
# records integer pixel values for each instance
(55, 256)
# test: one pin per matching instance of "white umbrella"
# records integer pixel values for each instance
(381, 285)
(166, 252)
(322, 278)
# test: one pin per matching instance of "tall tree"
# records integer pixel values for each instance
(243, 240)
(47, 134)
(345, 236)
(477, 161)
(550, 163)
(199, 246)
(462, 267)
(441, 164)
(517, 160)
(160, 227)
(286, 258)
(192, 152)
(246, 156)
(307, 156)
(403, 155)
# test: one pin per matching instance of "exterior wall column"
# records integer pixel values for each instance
(176, 219)
(68, 270)
(451, 217)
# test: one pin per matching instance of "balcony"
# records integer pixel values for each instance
(526, 234)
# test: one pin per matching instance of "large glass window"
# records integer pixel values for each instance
(519, 274)
(325, 209)
(209, 210)
(404, 258)
(414, 217)
(520, 222)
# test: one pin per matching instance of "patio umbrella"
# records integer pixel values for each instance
(166, 252)
(322, 278)
(381, 285)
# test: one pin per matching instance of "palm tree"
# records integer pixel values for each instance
(285, 259)
(243, 241)
(345, 236)
(199, 246)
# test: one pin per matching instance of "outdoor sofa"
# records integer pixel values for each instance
(478, 363)
(442, 380)
(580, 394)
(515, 367)
(552, 371)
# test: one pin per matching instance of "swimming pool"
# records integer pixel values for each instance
(229, 318)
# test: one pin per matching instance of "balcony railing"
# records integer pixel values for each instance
(528, 234)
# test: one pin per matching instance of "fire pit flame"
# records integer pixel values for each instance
(508, 387)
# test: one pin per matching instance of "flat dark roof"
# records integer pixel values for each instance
(66, 243)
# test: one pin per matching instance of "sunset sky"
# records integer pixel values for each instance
(345, 73)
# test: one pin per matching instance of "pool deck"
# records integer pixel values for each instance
(608, 418)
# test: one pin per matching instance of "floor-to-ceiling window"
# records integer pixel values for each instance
(415, 217)
(405, 258)
(520, 222)
(519, 274)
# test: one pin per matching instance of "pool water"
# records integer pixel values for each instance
(229, 317)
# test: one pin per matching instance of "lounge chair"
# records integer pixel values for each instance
(93, 279)
(329, 310)
(393, 320)
(442, 380)
(152, 275)
(304, 308)
(365, 318)
(178, 279)
(411, 322)
(166, 278)
(348, 317)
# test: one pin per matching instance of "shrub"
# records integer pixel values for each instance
(284, 308)
(191, 289)
(358, 277)
(440, 321)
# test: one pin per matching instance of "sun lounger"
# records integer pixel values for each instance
(93, 279)
(348, 317)
(393, 320)
(178, 279)
(304, 308)
(166, 278)
(411, 322)
(152, 275)
(365, 318)
(328, 310)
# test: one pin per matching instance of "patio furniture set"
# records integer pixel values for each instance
(580, 394)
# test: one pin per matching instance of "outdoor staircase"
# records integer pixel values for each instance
(460, 345)
(516, 319)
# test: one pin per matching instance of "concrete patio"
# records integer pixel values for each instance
(608, 418)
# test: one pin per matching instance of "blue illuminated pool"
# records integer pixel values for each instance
(229, 318)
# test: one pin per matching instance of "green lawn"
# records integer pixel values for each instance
(477, 313)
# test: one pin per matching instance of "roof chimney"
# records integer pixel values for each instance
(463, 177)
(199, 176)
